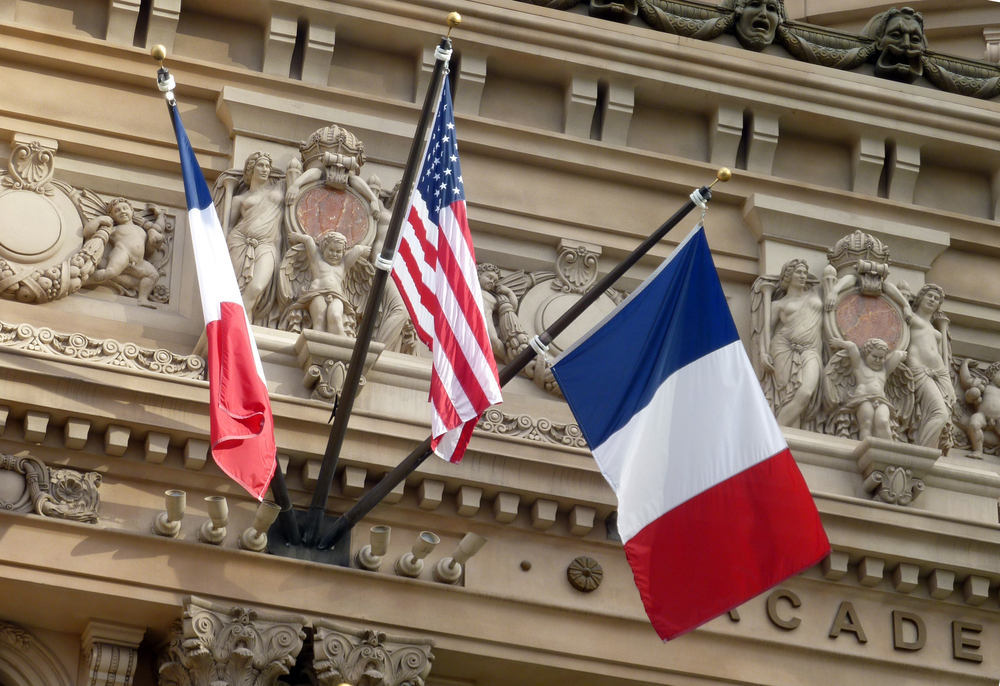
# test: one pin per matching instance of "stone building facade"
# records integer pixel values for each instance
(863, 141)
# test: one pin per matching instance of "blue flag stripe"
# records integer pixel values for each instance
(195, 186)
(679, 315)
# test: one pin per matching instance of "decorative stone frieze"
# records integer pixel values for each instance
(214, 644)
(59, 493)
(893, 40)
(496, 421)
(76, 346)
(367, 657)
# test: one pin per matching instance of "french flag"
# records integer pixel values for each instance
(242, 428)
(711, 506)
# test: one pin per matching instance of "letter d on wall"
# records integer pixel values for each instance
(899, 631)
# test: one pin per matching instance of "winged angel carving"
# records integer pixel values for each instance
(323, 286)
(867, 391)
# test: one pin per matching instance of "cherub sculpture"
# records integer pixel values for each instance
(507, 334)
(132, 240)
(867, 392)
(786, 346)
(327, 281)
(982, 391)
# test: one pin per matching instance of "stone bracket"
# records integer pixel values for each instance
(893, 471)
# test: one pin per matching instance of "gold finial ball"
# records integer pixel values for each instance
(159, 53)
(724, 174)
(454, 19)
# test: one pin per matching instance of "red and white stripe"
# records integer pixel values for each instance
(435, 270)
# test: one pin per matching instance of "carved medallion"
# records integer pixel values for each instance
(585, 574)
(323, 209)
(860, 317)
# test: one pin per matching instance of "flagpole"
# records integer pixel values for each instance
(411, 462)
(383, 264)
(279, 491)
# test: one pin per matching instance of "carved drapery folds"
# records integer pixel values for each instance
(893, 41)
(366, 657)
(55, 239)
(854, 355)
(218, 645)
(59, 493)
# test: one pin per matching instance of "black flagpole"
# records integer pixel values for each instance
(279, 491)
(383, 266)
(411, 462)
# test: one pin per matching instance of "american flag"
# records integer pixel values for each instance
(435, 270)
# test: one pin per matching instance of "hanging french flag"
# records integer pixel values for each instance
(712, 508)
(242, 428)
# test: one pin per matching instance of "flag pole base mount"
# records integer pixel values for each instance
(339, 555)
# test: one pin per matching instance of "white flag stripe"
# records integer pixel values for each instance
(215, 285)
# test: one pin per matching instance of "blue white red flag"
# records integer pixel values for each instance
(242, 428)
(435, 270)
(712, 508)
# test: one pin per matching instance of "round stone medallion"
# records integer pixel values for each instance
(30, 225)
(555, 305)
(861, 317)
(324, 209)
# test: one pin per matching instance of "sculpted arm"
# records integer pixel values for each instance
(838, 288)
(352, 256)
(850, 348)
(308, 176)
(310, 246)
(770, 318)
(894, 360)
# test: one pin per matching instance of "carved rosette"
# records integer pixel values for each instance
(59, 493)
(585, 574)
(366, 657)
(218, 645)
(894, 485)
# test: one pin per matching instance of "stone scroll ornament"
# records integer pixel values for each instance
(58, 493)
(366, 657)
(893, 41)
(55, 239)
(852, 354)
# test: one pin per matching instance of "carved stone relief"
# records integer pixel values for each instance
(366, 657)
(29, 485)
(300, 240)
(55, 239)
(893, 41)
(851, 354)
(977, 409)
(215, 645)
(520, 305)
(45, 341)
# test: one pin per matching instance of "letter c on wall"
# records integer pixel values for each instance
(772, 609)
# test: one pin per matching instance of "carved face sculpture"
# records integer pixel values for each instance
(928, 300)
(757, 23)
(121, 213)
(800, 275)
(333, 245)
(875, 359)
(901, 44)
(262, 170)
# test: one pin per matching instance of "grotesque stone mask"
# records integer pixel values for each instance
(757, 22)
(901, 44)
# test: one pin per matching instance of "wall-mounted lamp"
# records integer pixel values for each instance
(449, 569)
(412, 563)
(370, 557)
(169, 523)
(213, 530)
(255, 538)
